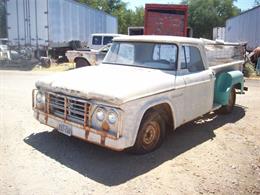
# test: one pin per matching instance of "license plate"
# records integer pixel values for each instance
(65, 129)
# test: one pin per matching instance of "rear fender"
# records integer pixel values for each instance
(224, 83)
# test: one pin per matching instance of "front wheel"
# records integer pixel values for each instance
(151, 133)
(231, 102)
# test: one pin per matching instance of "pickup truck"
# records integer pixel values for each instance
(87, 57)
(145, 86)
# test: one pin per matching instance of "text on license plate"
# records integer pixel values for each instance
(65, 129)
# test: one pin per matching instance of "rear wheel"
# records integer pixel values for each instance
(151, 133)
(231, 102)
(81, 63)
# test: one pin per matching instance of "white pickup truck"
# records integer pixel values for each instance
(145, 86)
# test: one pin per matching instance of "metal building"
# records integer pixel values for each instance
(245, 28)
(54, 23)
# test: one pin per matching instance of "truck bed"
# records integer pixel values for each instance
(236, 65)
(225, 56)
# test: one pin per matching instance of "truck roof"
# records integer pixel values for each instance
(158, 39)
(107, 34)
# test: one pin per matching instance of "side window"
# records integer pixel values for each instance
(107, 39)
(96, 40)
(191, 59)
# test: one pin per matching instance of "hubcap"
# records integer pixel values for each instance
(151, 134)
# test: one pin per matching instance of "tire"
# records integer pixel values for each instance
(151, 133)
(82, 63)
(231, 102)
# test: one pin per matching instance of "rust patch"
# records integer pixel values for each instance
(105, 126)
(46, 118)
(86, 133)
(103, 140)
(65, 108)
(38, 115)
(33, 91)
(105, 129)
(47, 108)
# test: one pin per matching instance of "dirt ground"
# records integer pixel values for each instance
(212, 155)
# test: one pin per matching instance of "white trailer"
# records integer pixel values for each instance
(245, 28)
(45, 24)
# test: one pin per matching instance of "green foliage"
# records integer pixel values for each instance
(257, 2)
(204, 15)
(3, 33)
(118, 8)
(249, 70)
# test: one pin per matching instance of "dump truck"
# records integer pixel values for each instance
(166, 19)
(145, 86)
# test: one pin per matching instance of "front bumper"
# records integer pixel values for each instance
(87, 134)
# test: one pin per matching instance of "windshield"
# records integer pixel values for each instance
(147, 55)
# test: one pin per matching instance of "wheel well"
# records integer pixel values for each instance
(165, 110)
(237, 86)
(76, 59)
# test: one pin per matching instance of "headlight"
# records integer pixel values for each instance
(100, 114)
(112, 117)
(40, 100)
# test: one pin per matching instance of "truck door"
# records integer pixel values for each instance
(199, 83)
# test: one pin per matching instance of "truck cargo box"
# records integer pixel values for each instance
(166, 19)
(54, 23)
(245, 28)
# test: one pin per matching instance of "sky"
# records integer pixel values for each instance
(242, 4)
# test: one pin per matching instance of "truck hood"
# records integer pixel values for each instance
(109, 83)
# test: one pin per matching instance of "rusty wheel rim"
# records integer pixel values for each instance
(231, 99)
(151, 135)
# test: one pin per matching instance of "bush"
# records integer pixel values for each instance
(249, 70)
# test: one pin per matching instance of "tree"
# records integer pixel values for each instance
(118, 8)
(204, 15)
(3, 33)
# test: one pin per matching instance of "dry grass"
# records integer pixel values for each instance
(55, 67)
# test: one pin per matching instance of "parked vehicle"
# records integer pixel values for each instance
(99, 40)
(245, 28)
(8, 54)
(145, 86)
(3, 41)
(87, 57)
(51, 27)
(135, 30)
(164, 19)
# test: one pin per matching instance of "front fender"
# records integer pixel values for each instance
(135, 111)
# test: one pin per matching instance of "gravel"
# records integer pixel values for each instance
(212, 155)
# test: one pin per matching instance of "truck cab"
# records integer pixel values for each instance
(99, 40)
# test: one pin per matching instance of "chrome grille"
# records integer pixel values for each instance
(69, 108)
